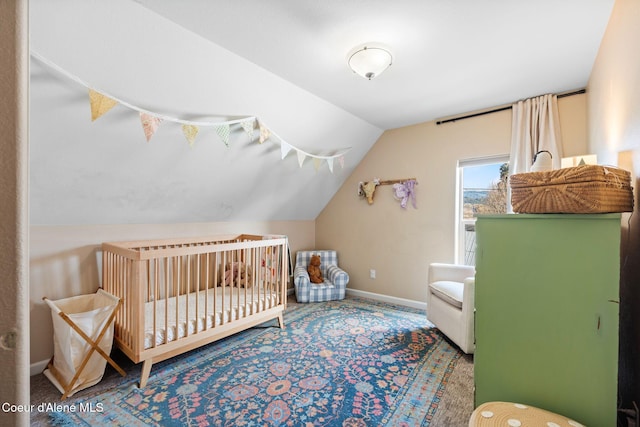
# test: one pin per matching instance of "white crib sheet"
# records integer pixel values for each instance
(234, 308)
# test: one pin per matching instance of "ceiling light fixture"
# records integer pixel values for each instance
(370, 61)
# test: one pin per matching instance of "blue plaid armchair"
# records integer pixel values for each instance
(335, 279)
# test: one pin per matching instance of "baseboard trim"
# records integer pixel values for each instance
(38, 367)
(386, 298)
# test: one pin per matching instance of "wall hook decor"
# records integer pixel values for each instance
(368, 188)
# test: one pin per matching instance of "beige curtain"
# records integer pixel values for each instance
(535, 127)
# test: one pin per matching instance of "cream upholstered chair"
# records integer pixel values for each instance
(450, 302)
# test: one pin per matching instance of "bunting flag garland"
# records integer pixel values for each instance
(330, 164)
(265, 133)
(301, 157)
(284, 149)
(149, 124)
(101, 103)
(190, 132)
(223, 132)
(248, 126)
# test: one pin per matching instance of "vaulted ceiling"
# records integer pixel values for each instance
(283, 62)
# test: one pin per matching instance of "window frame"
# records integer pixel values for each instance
(460, 236)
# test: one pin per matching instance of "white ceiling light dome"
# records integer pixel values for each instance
(370, 61)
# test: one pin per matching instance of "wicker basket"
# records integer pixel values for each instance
(580, 189)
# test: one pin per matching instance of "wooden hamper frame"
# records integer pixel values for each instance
(95, 346)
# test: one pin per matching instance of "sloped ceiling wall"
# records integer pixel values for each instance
(105, 172)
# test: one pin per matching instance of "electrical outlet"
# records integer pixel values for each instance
(372, 274)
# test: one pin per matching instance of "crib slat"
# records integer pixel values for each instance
(186, 290)
(224, 287)
(156, 297)
(138, 301)
(166, 306)
(196, 270)
(176, 290)
(206, 289)
(125, 272)
(216, 278)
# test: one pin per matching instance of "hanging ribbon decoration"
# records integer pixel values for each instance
(405, 191)
(102, 102)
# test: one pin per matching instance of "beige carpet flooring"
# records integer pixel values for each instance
(456, 405)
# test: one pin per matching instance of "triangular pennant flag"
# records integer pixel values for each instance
(301, 157)
(223, 132)
(341, 161)
(316, 163)
(264, 133)
(284, 149)
(100, 104)
(149, 124)
(248, 126)
(190, 132)
(330, 163)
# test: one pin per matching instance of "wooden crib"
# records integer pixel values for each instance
(180, 294)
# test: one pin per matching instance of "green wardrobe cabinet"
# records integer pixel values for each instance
(546, 326)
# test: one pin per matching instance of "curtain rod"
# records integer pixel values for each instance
(495, 110)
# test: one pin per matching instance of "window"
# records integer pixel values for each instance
(482, 189)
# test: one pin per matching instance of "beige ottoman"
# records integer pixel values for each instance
(515, 415)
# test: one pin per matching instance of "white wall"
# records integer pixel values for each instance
(614, 133)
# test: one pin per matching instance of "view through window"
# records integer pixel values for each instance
(482, 187)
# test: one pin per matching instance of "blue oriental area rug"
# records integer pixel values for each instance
(346, 363)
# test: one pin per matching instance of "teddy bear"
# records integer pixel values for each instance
(236, 274)
(315, 274)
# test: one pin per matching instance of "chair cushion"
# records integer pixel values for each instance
(450, 292)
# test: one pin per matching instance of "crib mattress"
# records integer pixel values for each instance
(221, 307)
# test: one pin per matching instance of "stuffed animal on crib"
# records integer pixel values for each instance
(315, 274)
(236, 274)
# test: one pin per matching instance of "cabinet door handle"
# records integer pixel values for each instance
(614, 301)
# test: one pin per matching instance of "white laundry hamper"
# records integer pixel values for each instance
(82, 340)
